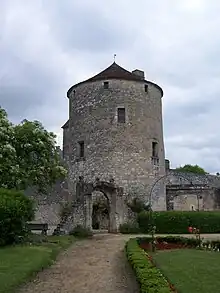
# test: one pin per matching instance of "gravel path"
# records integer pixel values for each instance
(90, 266)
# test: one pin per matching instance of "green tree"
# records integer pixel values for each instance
(28, 155)
(137, 205)
(192, 169)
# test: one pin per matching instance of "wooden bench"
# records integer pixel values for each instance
(43, 227)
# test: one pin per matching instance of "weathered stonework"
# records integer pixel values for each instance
(188, 191)
(119, 150)
(123, 151)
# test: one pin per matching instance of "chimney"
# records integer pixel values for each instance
(139, 73)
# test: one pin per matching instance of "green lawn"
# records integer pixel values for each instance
(19, 263)
(191, 271)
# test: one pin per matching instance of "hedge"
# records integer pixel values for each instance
(177, 222)
(148, 276)
(15, 210)
(129, 228)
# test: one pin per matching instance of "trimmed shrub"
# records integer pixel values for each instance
(81, 232)
(148, 276)
(15, 210)
(129, 228)
(177, 222)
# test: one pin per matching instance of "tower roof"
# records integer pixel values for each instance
(66, 125)
(114, 71)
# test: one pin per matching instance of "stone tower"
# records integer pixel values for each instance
(115, 129)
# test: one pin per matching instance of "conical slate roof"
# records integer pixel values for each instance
(66, 125)
(114, 71)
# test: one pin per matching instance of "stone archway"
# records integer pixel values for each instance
(100, 211)
(109, 190)
(84, 199)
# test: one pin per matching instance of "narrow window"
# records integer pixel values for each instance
(154, 149)
(106, 85)
(146, 88)
(121, 115)
(81, 149)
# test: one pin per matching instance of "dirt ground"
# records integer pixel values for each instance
(98, 266)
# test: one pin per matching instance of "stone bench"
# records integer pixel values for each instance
(43, 227)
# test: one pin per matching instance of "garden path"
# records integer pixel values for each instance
(98, 265)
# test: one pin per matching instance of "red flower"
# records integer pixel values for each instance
(190, 229)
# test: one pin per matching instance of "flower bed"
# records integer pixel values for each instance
(163, 246)
(168, 242)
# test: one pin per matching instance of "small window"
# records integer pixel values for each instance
(121, 115)
(146, 88)
(154, 149)
(81, 149)
(106, 85)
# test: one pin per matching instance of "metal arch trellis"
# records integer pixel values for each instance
(179, 176)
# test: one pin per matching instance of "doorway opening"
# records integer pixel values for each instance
(100, 212)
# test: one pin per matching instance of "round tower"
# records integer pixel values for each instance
(115, 130)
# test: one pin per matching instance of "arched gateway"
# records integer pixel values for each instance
(82, 214)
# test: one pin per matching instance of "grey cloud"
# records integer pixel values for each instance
(23, 86)
(84, 27)
(45, 47)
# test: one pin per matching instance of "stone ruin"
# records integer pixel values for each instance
(81, 207)
(181, 194)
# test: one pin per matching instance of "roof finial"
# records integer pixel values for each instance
(114, 57)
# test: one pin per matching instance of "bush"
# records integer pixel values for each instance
(129, 228)
(81, 232)
(148, 276)
(137, 205)
(15, 210)
(177, 222)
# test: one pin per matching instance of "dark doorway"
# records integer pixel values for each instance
(100, 212)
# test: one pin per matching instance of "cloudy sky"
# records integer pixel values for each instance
(46, 46)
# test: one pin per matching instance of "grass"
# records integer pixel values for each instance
(19, 263)
(190, 271)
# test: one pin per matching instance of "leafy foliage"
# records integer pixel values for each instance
(129, 228)
(65, 211)
(81, 232)
(192, 169)
(177, 222)
(28, 155)
(147, 275)
(15, 210)
(137, 205)
(100, 207)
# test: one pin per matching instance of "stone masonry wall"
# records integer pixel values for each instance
(121, 151)
(185, 200)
